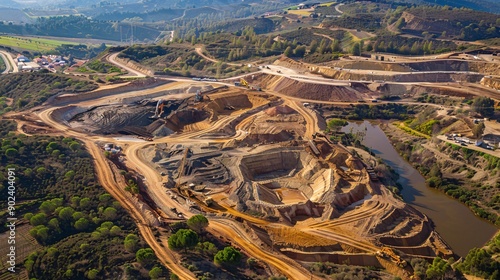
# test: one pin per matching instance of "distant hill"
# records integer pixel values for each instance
(448, 22)
(9, 4)
(260, 25)
(492, 6)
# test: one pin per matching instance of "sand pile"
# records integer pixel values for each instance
(323, 92)
(280, 110)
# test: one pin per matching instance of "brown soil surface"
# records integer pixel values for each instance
(322, 92)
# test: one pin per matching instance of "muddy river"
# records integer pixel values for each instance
(453, 220)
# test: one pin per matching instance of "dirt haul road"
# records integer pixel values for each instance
(289, 268)
(199, 51)
(283, 264)
(106, 178)
(10, 63)
(136, 74)
(154, 180)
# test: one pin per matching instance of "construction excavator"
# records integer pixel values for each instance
(244, 83)
(159, 109)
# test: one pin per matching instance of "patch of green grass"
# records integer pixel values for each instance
(403, 127)
(32, 44)
(328, 4)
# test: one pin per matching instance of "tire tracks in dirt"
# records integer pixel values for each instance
(106, 178)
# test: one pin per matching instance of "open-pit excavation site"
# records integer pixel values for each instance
(250, 154)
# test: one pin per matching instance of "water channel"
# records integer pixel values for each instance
(459, 227)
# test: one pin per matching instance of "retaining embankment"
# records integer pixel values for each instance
(491, 82)
(136, 66)
(333, 257)
(132, 86)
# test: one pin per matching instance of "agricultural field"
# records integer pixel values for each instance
(31, 43)
(25, 244)
(304, 12)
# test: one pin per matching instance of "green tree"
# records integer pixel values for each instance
(356, 49)
(82, 224)
(478, 130)
(228, 256)
(299, 51)
(38, 219)
(70, 174)
(288, 51)
(85, 203)
(484, 106)
(11, 152)
(66, 213)
(92, 274)
(77, 216)
(74, 146)
(145, 256)
(438, 269)
(54, 224)
(47, 207)
(197, 223)
(155, 272)
(110, 213)
(336, 124)
(208, 248)
(313, 46)
(183, 239)
(131, 242)
(115, 231)
(479, 261)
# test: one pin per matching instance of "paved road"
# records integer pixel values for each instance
(471, 147)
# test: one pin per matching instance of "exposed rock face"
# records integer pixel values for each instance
(492, 82)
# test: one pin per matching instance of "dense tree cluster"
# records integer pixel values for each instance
(32, 89)
(83, 27)
(483, 262)
(68, 211)
(484, 106)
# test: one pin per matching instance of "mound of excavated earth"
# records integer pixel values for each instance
(300, 89)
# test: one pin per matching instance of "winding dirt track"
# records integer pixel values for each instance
(106, 178)
(221, 226)
(10, 63)
(225, 228)
(311, 120)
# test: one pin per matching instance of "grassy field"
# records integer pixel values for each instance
(31, 43)
(328, 4)
(302, 12)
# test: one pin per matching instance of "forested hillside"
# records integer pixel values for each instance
(83, 232)
(83, 27)
(32, 89)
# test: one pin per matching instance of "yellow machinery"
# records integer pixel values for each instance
(243, 82)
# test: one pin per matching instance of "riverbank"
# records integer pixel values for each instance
(466, 175)
(449, 216)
